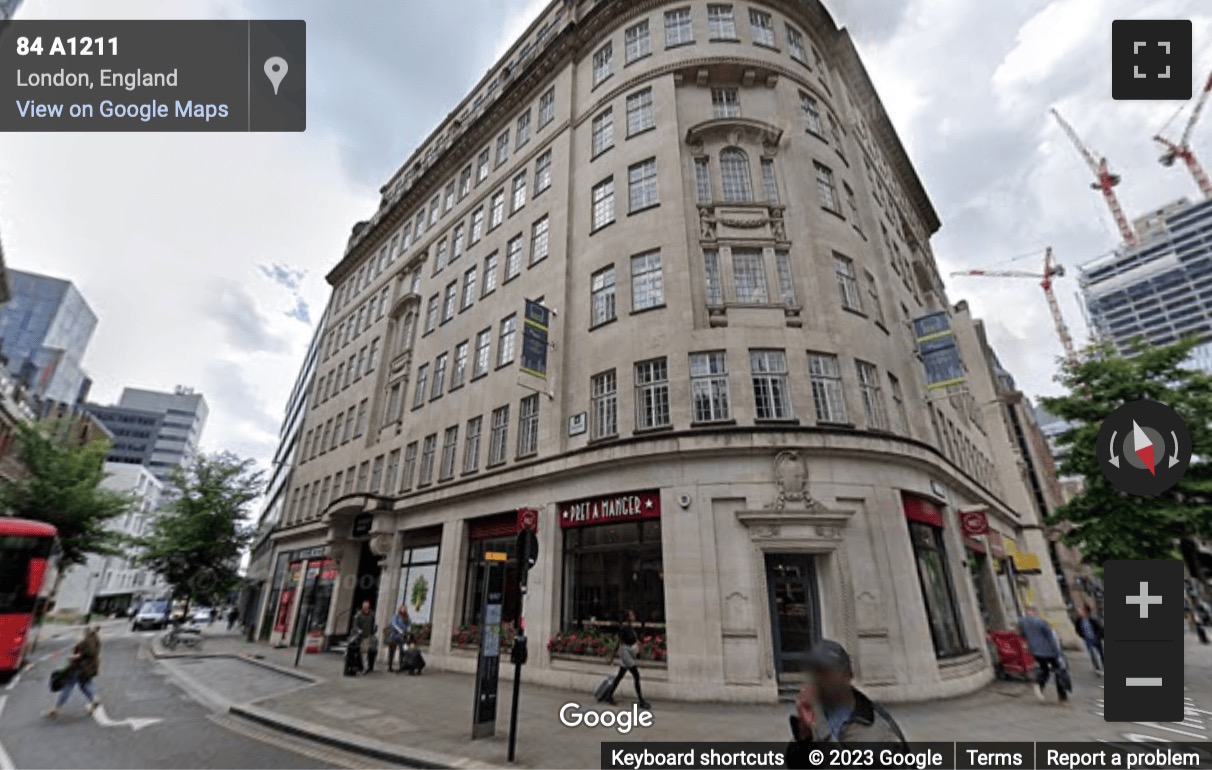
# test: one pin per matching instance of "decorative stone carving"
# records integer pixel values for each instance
(380, 544)
(829, 533)
(743, 224)
(770, 530)
(791, 478)
(777, 228)
(706, 224)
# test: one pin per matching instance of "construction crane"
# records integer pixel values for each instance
(1105, 181)
(1051, 270)
(1182, 148)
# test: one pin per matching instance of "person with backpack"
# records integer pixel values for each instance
(628, 651)
(397, 637)
(82, 668)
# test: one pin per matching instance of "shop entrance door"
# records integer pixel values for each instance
(367, 587)
(794, 612)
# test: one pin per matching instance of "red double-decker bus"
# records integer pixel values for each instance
(26, 548)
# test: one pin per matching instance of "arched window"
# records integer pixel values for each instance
(734, 168)
(407, 324)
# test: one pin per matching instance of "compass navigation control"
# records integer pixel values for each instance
(1144, 448)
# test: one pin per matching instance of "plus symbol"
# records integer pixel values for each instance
(1144, 599)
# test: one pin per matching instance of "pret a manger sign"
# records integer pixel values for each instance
(611, 509)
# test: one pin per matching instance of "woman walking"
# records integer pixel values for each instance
(628, 649)
(397, 637)
(82, 668)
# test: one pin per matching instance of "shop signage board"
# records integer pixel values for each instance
(534, 339)
(528, 518)
(488, 667)
(974, 523)
(362, 524)
(611, 509)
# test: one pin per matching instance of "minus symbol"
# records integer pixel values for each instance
(1143, 681)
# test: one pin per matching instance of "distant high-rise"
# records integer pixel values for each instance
(45, 328)
(153, 428)
(1160, 290)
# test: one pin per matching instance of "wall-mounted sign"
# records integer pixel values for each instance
(362, 524)
(940, 354)
(611, 509)
(577, 424)
(974, 523)
(534, 339)
(528, 518)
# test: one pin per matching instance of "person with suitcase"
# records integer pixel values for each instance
(628, 649)
(353, 655)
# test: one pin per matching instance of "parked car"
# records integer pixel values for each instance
(200, 615)
(152, 615)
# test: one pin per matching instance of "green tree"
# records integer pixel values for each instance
(1106, 524)
(197, 542)
(63, 488)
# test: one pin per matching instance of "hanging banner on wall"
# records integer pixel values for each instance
(534, 339)
(940, 354)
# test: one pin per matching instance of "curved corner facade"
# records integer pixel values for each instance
(736, 433)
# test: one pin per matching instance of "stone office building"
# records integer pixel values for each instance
(734, 435)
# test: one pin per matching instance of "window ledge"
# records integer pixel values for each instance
(600, 228)
(713, 423)
(607, 322)
(471, 472)
(649, 207)
(600, 440)
(657, 429)
(600, 153)
(598, 83)
(723, 40)
(854, 311)
(776, 421)
(526, 456)
(768, 46)
(504, 365)
(648, 309)
(510, 278)
(682, 44)
(490, 466)
(639, 58)
(831, 424)
(479, 376)
(642, 131)
(834, 212)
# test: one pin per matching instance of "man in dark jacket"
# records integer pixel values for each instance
(1091, 632)
(830, 710)
(365, 627)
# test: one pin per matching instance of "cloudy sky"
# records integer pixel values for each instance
(204, 254)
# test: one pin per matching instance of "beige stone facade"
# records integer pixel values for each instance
(733, 246)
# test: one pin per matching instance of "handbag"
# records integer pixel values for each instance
(59, 678)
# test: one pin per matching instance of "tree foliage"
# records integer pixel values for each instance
(1105, 523)
(63, 488)
(197, 542)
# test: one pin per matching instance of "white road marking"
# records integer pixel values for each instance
(104, 720)
(6, 762)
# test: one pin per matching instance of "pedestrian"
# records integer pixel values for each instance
(1090, 631)
(397, 637)
(364, 626)
(232, 616)
(1194, 616)
(82, 668)
(1044, 647)
(214, 613)
(628, 649)
(831, 710)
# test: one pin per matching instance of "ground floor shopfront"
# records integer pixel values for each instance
(730, 563)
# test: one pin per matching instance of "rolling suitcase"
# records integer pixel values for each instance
(353, 657)
(603, 689)
(412, 661)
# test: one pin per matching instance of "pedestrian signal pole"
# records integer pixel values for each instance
(528, 552)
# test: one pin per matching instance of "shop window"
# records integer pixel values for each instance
(938, 589)
(610, 570)
(418, 579)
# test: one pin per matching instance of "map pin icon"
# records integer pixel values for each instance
(275, 70)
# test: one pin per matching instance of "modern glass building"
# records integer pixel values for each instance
(1162, 289)
(45, 328)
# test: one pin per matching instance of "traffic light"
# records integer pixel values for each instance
(528, 553)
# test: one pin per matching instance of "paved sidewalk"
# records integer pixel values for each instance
(426, 720)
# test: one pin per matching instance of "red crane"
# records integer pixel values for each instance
(1051, 270)
(1105, 181)
(1182, 148)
